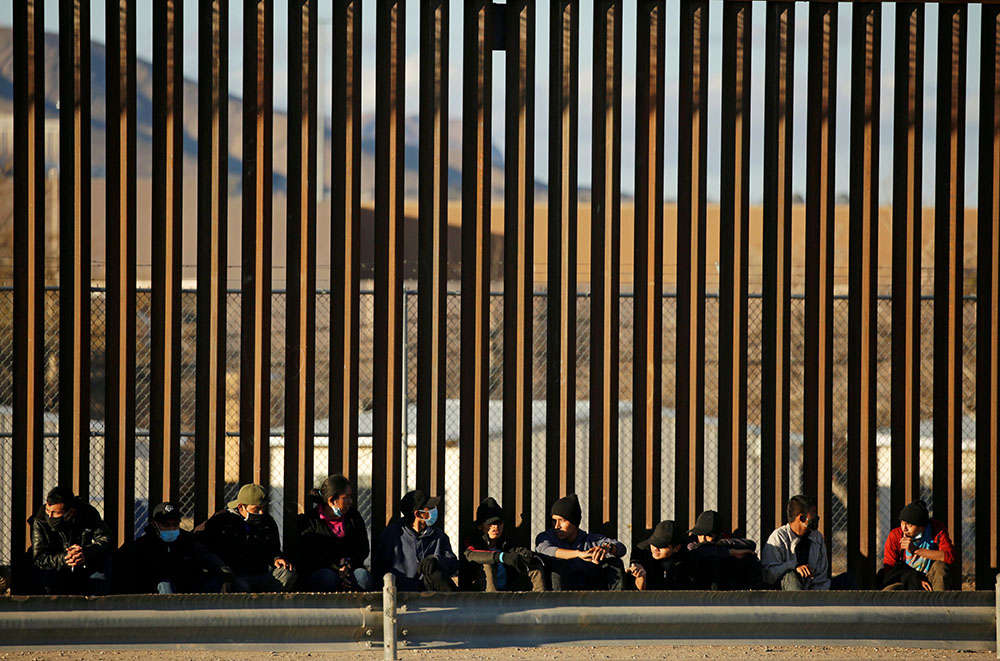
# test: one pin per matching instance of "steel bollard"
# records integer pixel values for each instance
(389, 617)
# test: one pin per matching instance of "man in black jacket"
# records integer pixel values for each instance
(662, 562)
(246, 538)
(166, 559)
(333, 541)
(70, 546)
(492, 562)
(725, 561)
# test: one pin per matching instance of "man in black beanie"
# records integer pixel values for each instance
(918, 554)
(577, 560)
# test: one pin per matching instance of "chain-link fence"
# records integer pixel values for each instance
(837, 517)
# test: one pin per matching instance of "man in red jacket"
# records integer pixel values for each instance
(918, 554)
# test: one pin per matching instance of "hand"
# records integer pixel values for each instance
(904, 543)
(428, 565)
(525, 555)
(281, 562)
(918, 553)
(804, 571)
(927, 586)
(637, 571)
(739, 554)
(509, 558)
(74, 555)
(598, 554)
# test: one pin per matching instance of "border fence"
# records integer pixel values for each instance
(648, 405)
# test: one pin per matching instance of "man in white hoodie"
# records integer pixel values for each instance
(794, 557)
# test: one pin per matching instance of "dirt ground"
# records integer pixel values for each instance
(553, 653)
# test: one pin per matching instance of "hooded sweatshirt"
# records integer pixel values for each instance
(400, 550)
(778, 557)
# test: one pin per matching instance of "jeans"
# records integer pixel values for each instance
(278, 579)
(327, 580)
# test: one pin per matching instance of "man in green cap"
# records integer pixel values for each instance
(246, 538)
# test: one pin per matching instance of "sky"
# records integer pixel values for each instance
(144, 48)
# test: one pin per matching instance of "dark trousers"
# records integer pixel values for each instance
(91, 580)
(609, 575)
(438, 581)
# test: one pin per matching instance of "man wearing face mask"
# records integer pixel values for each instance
(70, 546)
(167, 560)
(416, 551)
(795, 557)
(246, 538)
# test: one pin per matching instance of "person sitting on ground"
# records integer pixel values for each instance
(168, 560)
(494, 563)
(725, 562)
(417, 552)
(795, 556)
(246, 538)
(662, 561)
(70, 546)
(333, 541)
(577, 560)
(918, 554)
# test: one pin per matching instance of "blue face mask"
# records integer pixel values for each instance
(169, 535)
(432, 519)
(337, 512)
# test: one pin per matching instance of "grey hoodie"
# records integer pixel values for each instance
(778, 557)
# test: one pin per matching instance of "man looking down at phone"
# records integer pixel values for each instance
(577, 560)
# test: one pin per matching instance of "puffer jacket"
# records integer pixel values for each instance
(85, 528)
(248, 548)
(319, 548)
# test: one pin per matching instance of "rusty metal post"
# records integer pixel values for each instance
(167, 222)
(777, 254)
(255, 297)
(300, 306)
(647, 354)
(477, 167)
(907, 211)
(605, 279)
(519, 228)
(560, 407)
(432, 301)
(734, 242)
(74, 245)
(213, 164)
(345, 237)
(692, 145)
(862, 478)
(988, 304)
(119, 443)
(949, 270)
(388, 387)
(821, 114)
(29, 270)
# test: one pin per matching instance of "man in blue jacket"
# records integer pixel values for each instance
(418, 553)
(577, 560)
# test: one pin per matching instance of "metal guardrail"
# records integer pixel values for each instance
(320, 622)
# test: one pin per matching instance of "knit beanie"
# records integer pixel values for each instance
(568, 507)
(915, 514)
